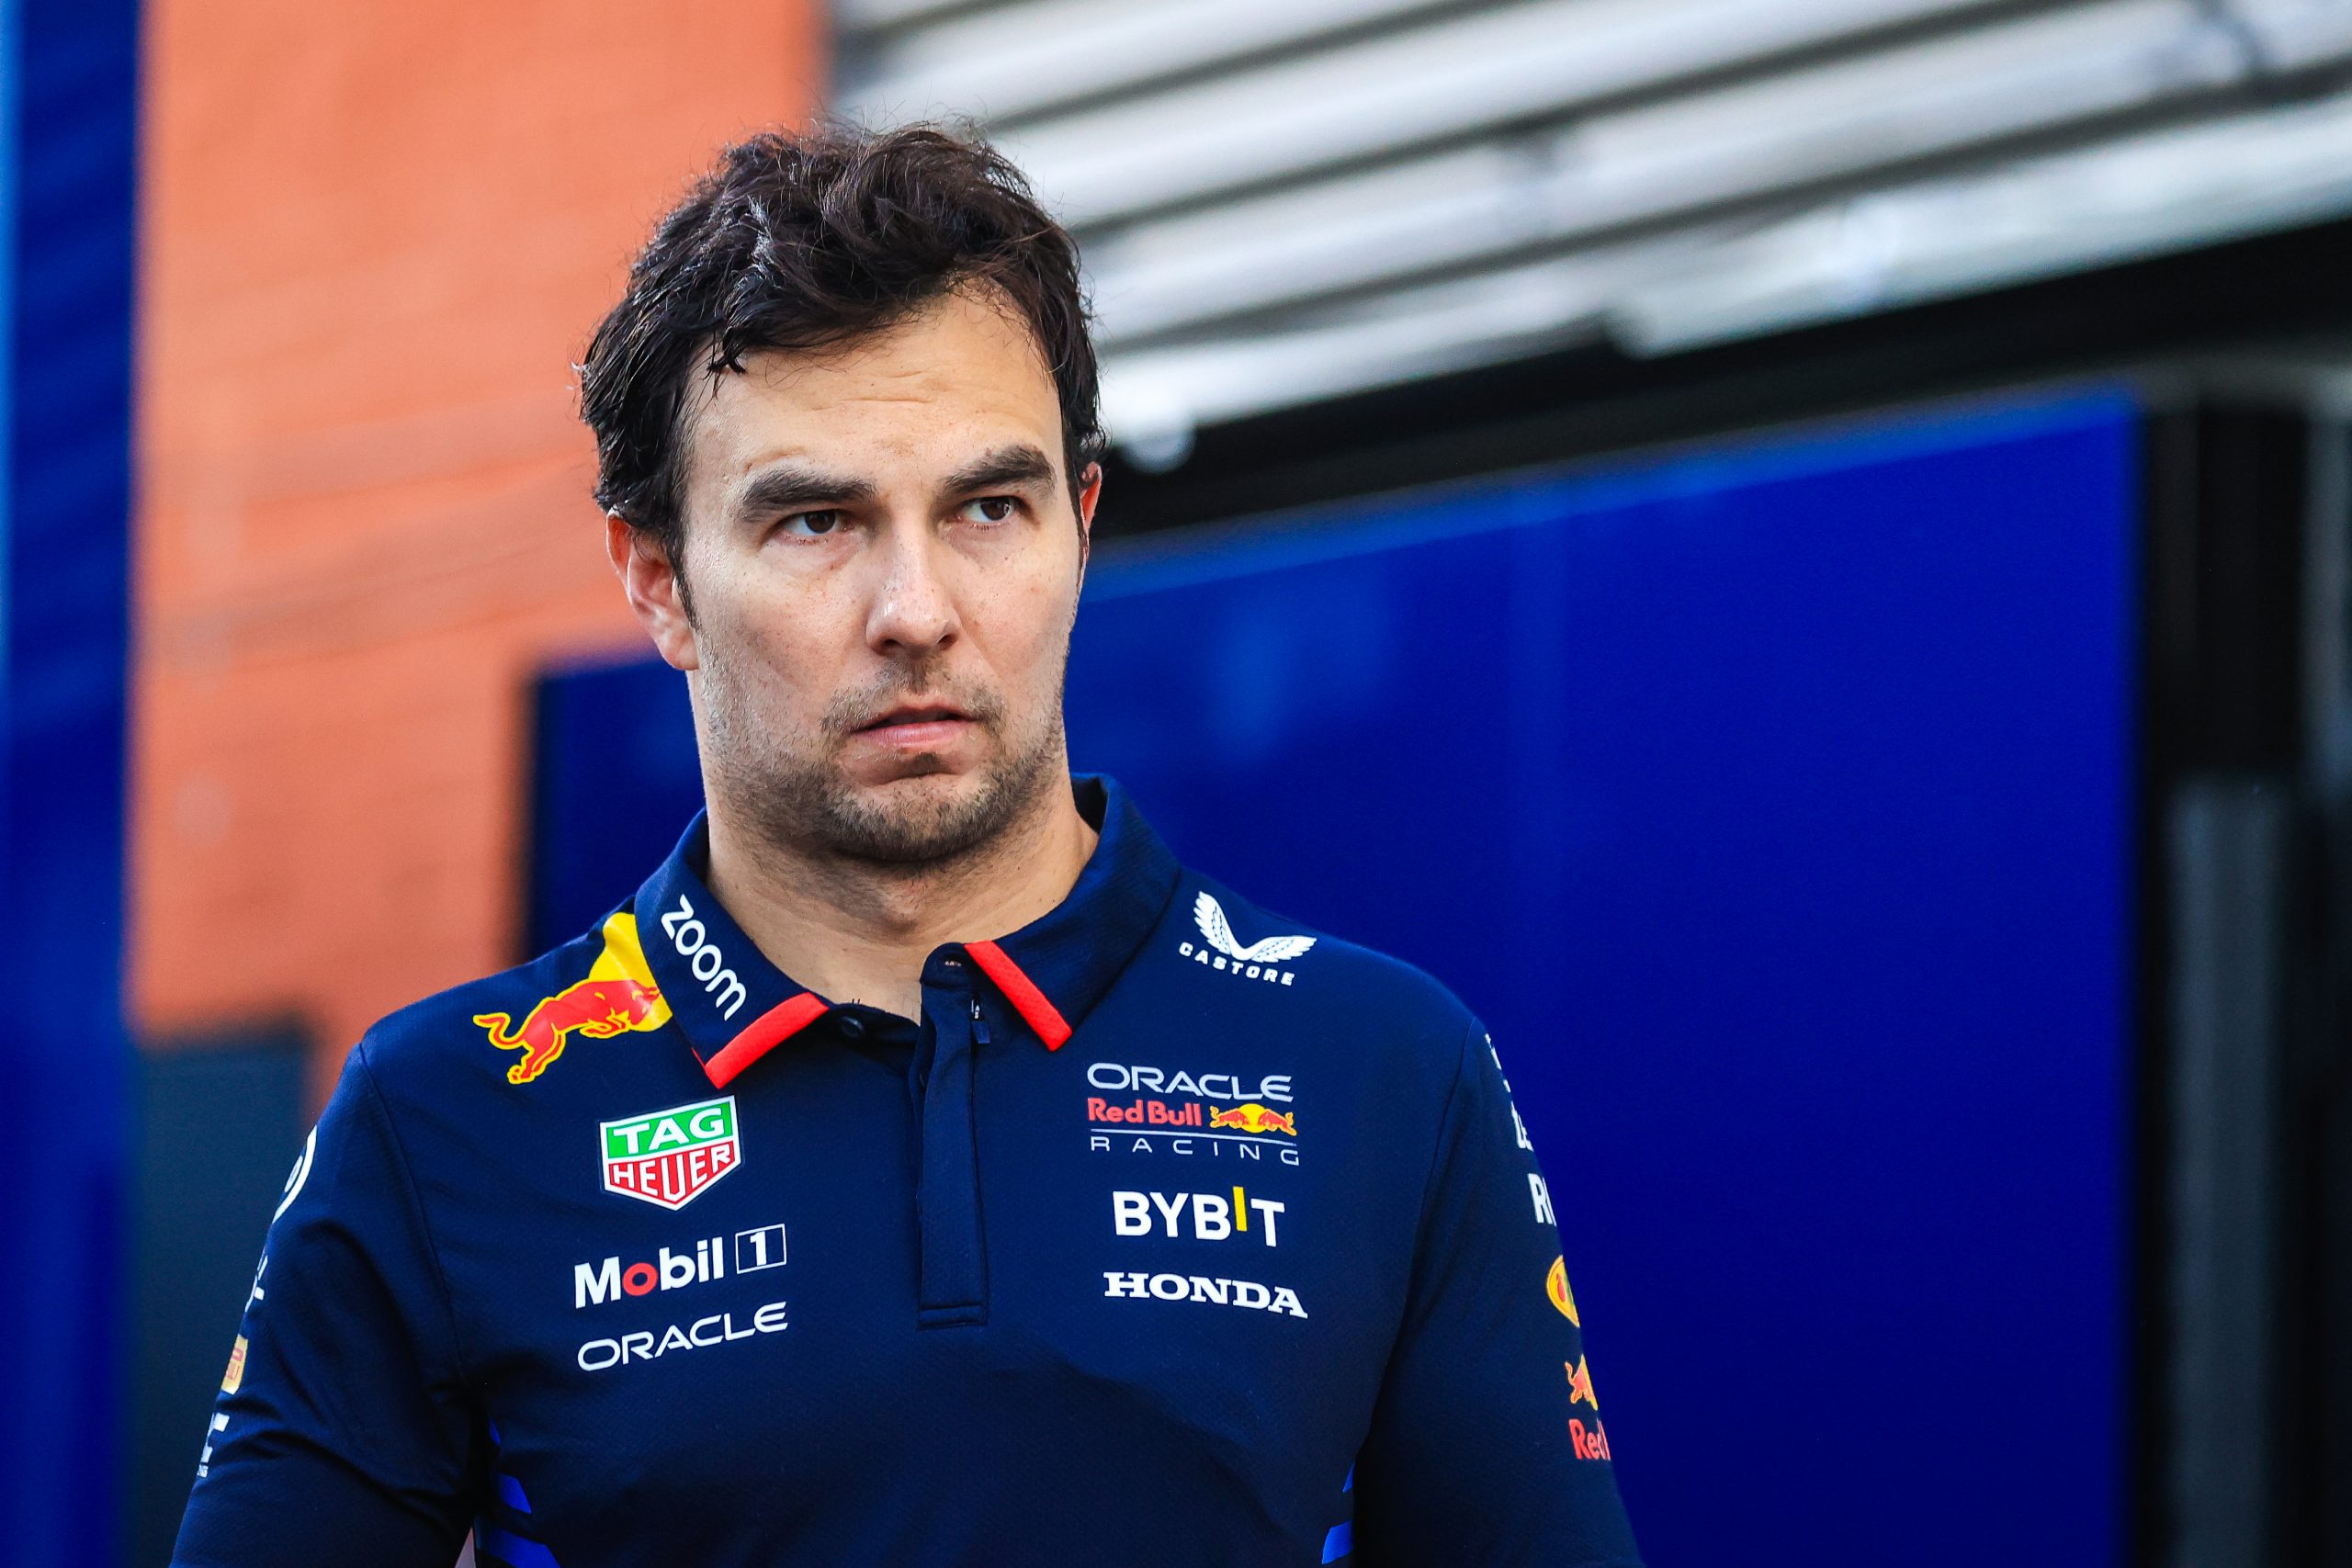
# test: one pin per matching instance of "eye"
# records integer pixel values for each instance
(991, 509)
(810, 525)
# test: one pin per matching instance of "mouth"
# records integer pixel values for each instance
(915, 713)
(915, 725)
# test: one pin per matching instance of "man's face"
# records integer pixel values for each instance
(884, 566)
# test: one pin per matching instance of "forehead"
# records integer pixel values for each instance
(963, 369)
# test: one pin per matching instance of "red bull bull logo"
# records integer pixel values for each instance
(1253, 1117)
(617, 996)
(1580, 1383)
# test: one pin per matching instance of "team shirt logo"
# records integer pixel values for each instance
(1593, 1444)
(671, 1158)
(234, 1378)
(592, 1284)
(1117, 1076)
(690, 941)
(1220, 949)
(617, 996)
(1206, 1216)
(1589, 1442)
(1191, 1129)
(1196, 1123)
(1580, 1383)
(1555, 1285)
(296, 1178)
(1256, 1118)
(1203, 1287)
(719, 1329)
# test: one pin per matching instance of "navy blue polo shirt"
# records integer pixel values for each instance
(1172, 1234)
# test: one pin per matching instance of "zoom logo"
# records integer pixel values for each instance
(691, 941)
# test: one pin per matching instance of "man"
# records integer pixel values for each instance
(923, 1167)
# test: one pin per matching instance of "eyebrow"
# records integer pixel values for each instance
(794, 486)
(1006, 468)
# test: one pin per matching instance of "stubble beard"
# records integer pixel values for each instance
(800, 802)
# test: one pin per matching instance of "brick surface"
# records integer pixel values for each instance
(376, 237)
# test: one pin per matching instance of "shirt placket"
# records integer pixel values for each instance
(952, 1276)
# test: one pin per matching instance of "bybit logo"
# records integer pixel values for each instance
(1207, 1216)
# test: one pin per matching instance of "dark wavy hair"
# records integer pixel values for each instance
(806, 240)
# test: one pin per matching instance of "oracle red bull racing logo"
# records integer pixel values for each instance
(617, 996)
(1189, 1125)
(671, 1158)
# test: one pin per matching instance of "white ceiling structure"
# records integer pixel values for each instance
(1284, 200)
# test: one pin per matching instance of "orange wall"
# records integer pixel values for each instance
(376, 235)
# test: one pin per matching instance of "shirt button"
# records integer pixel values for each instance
(852, 1029)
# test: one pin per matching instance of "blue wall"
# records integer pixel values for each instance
(67, 121)
(615, 780)
(1773, 807)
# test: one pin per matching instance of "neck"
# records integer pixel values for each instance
(859, 930)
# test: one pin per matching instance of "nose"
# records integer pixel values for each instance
(912, 612)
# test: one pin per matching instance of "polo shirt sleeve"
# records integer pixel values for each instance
(342, 1433)
(1486, 1444)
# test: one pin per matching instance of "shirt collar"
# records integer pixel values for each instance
(734, 1005)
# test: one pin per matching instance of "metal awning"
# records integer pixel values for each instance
(1283, 200)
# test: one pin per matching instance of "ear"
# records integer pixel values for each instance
(1089, 492)
(654, 589)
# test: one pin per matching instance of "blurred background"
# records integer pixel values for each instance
(1798, 553)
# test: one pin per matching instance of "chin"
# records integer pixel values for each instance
(926, 803)
(919, 817)
(922, 778)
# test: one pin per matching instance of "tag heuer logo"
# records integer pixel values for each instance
(672, 1157)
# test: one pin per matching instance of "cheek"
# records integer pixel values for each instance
(772, 638)
(1035, 629)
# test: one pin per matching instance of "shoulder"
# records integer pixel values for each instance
(1368, 1047)
(502, 1029)
(1326, 981)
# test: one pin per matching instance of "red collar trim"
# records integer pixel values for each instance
(763, 1034)
(1021, 992)
(795, 1013)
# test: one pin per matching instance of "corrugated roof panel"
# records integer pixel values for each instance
(1281, 202)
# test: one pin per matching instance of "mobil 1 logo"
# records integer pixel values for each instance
(610, 1278)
